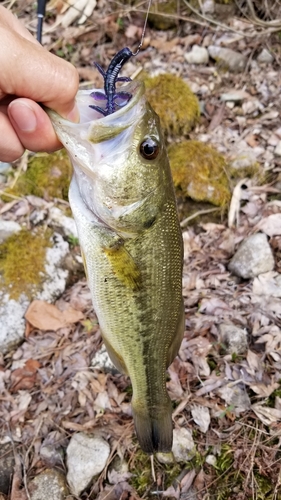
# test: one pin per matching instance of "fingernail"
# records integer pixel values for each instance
(74, 116)
(23, 116)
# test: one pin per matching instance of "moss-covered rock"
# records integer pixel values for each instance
(174, 102)
(160, 14)
(199, 172)
(22, 262)
(47, 176)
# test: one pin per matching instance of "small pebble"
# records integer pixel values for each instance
(265, 56)
(278, 149)
(197, 55)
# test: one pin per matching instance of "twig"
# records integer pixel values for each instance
(260, 22)
(233, 214)
(152, 468)
(197, 214)
(26, 457)
(216, 23)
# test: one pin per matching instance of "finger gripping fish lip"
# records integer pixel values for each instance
(110, 77)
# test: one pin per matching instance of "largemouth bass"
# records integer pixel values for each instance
(123, 202)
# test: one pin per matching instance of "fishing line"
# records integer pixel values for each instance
(144, 29)
(41, 12)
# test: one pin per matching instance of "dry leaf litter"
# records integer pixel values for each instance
(59, 407)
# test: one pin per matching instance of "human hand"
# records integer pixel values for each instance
(30, 75)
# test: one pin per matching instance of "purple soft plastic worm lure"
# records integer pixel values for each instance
(110, 77)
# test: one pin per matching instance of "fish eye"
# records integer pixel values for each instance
(149, 148)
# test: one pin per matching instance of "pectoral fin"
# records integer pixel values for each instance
(176, 342)
(116, 359)
(84, 263)
(123, 264)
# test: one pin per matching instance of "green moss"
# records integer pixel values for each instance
(276, 393)
(47, 176)
(199, 172)
(264, 486)
(174, 102)
(141, 478)
(22, 259)
(141, 472)
(241, 167)
(225, 459)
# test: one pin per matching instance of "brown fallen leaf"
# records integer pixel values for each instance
(24, 378)
(48, 317)
(217, 118)
(252, 140)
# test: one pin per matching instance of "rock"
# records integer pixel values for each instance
(253, 257)
(252, 106)
(273, 140)
(233, 338)
(208, 6)
(51, 456)
(228, 58)
(102, 361)
(12, 321)
(7, 228)
(86, 458)
(165, 458)
(183, 445)
(265, 56)
(244, 160)
(12, 311)
(235, 396)
(211, 460)
(5, 167)
(277, 150)
(197, 55)
(7, 464)
(50, 484)
(235, 96)
(66, 223)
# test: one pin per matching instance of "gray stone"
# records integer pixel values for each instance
(253, 257)
(183, 445)
(211, 460)
(233, 338)
(51, 455)
(228, 58)
(234, 96)
(7, 464)
(7, 229)
(86, 458)
(102, 361)
(277, 150)
(49, 485)
(66, 223)
(197, 55)
(265, 56)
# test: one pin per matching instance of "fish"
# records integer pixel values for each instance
(123, 201)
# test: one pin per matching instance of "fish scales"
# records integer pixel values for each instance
(131, 241)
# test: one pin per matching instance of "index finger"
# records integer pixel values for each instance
(28, 70)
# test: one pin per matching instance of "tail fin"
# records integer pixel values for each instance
(154, 429)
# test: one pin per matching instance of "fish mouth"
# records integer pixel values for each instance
(93, 125)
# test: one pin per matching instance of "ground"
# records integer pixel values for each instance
(229, 399)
